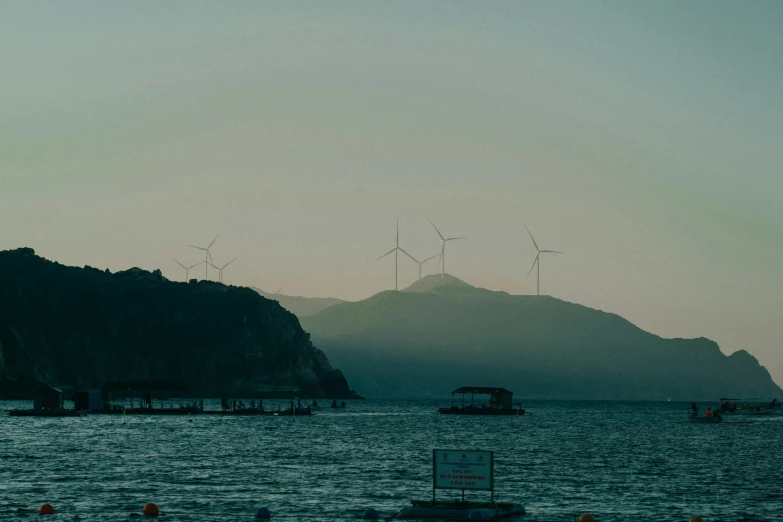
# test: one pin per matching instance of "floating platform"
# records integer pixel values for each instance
(184, 410)
(252, 411)
(45, 413)
(501, 402)
(458, 510)
(247, 412)
(480, 410)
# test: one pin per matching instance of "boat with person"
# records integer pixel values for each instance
(753, 406)
(501, 402)
(710, 417)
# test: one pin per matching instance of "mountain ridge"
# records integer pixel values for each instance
(298, 305)
(427, 343)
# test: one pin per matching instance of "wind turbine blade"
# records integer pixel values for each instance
(551, 252)
(387, 253)
(397, 241)
(436, 230)
(433, 257)
(209, 254)
(224, 266)
(281, 288)
(215, 267)
(531, 237)
(200, 248)
(180, 264)
(194, 266)
(407, 254)
(453, 238)
(533, 266)
(213, 241)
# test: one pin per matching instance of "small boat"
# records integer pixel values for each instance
(460, 510)
(500, 402)
(701, 419)
(754, 406)
(713, 418)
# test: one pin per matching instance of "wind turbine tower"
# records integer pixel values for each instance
(395, 249)
(443, 241)
(536, 262)
(422, 262)
(187, 268)
(220, 269)
(207, 256)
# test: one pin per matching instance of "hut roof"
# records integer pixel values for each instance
(46, 388)
(481, 390)
(277, 389)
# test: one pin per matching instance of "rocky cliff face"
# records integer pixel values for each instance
(82, 327)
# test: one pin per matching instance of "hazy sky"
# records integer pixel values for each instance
(644, 139)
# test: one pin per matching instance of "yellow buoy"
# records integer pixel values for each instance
(150, 509)
(46, 509)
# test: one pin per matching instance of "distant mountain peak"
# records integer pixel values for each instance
(442, 333)
(430, 283)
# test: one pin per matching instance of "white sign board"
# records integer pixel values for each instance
(455, 469)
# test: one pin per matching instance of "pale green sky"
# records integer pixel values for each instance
(642, 138)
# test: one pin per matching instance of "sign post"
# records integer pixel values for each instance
(463, 469)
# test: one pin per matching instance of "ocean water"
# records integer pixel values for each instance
(621, 461)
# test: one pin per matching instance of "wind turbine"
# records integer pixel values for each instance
(422, 262)
(187, 268)
(443, 241)
(207, 256)
(536, 263)
(220, 269)
(280, 289)
(395, 249)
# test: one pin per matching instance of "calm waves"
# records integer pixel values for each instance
(621, 461)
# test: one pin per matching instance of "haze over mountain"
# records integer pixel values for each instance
(81, 327)
(642, 138)
(300, 306)
(440, 334)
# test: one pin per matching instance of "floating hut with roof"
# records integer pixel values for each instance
(501, 402)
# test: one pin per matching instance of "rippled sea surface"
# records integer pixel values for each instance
(620, 461)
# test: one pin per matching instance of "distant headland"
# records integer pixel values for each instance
(81, 327)
(442, 333)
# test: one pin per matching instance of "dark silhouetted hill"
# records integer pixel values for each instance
(435, 337)
(301, 306)
(81, 327)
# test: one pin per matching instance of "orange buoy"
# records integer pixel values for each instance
(586, 517)
(46, 509)
(696, 519)
(150, 509)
